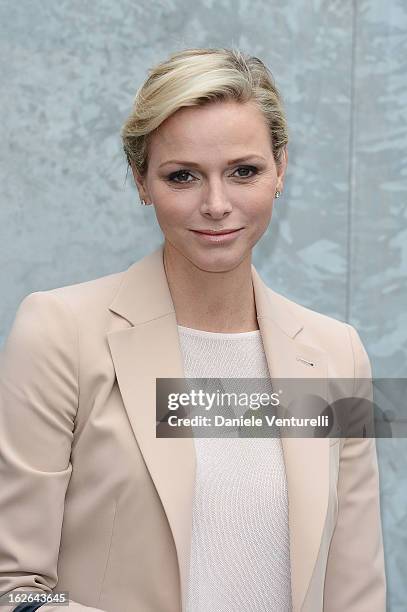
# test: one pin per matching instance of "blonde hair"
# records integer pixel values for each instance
(194, 77)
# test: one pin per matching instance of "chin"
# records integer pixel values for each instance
(214, 258)
(222, 261)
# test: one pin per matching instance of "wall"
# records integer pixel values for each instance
(338, 238)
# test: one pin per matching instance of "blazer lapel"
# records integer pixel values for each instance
(306, 459)
(149, 348)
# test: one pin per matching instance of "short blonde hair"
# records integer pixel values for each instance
(194, 77)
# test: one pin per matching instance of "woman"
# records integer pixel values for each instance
(94, 503)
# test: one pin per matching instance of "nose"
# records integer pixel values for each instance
(216, 203)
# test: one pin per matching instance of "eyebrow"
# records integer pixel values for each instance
(195, 165)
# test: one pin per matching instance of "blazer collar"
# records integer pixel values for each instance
(149, 348)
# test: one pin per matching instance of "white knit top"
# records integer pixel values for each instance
(240, 540)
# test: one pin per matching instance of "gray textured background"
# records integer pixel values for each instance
(338, 238)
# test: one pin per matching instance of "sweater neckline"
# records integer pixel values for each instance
(200, 332)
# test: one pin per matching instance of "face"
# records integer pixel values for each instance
(212, 168)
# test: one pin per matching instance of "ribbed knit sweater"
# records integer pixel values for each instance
(240, 540)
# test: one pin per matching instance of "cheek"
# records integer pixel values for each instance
(171, 214)
(166, 204)
(260, 213)
(175, 209)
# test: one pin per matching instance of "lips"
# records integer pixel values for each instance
(219, 238)
(217, 232)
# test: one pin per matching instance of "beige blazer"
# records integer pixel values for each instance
(92, 503)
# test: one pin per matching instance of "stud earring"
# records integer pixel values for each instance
(144, 203)
(278, 194)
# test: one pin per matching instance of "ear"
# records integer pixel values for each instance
(281, 168)
(140, 182)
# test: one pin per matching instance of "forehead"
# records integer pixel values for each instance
(220, 128)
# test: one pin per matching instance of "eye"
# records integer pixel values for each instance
(247, 168)
(179, 176)
(175, 176)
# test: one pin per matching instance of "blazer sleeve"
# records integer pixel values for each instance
(38, 404)
(355, 578)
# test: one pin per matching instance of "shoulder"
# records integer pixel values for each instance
(97, 292)
(339, 339)
(80, 299)
(309, 319)
(46, 320)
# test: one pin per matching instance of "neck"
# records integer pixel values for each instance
(211, 301)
